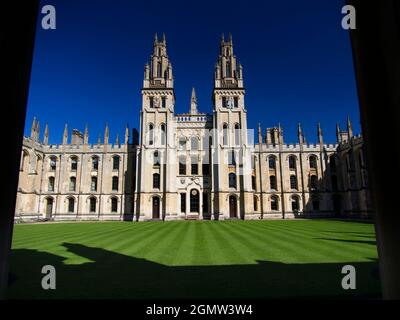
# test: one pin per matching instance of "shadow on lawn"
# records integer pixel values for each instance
(113, 275)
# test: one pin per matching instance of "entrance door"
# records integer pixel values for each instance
(156, 208)
(194, 201)
(232, 207)
(49, 207)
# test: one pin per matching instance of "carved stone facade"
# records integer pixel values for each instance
(193, 165)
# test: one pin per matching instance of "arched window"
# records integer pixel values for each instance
(295, 203)
(53, 163)
(159, 68)
(163, 135)
(93, 185)
(272, 162)
(25, 161)
(274, 203)
(114, 183)
(255, 204)
(225, 134)
(51, 184)
(71, 205)
(72, 184)
(313, 182)
(292, 162)
(116, 160)
(232, 180)
(293, 182)
(194, 143)
(156, 158)
(182, 165)
(237, 134)
(272, 183)
(95, 163)
(114, 204)
(74, 163)
(156, 181)
(151, 134)
(92, 205)
(313, 162)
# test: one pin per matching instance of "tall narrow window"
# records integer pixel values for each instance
(225, 134)
(163, 137)
(255, 204)
(156, 158)
(183, 202)
(53, 163)
(92, 204)
(116, 163)
(274, 203)
(236, 102)
(194, 143)
(237, 134)
(295, 203)
(158, 69)
(313, 162)
(293, 182)
(114, 204)
(151, 102)
(182, 143)
(206, 169)
(232, 180)
(72, 184)
(182, 165)
(71, 205)
(231, 158)
(195, 166)
(253, 182)
(228, 69)
(93, 185)
(156, 181)
(151, 134)
(314, 182)
(163, 102)
(272, 182)
(114, 183)
(224, 104)
(205, 202)
(292, 162)
(74, 163)
(95, 163)
(272, 162)
(51, 184)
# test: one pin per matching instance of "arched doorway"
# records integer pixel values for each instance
(232, 207)
(194, 201)
(49, 207)
(156, 208)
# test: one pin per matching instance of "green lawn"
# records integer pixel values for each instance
(186, 259)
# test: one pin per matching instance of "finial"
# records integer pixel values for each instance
(155, 38)
(163, 38)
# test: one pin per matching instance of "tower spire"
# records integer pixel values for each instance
(46, 135)
(300, 133)
(349, 128)
(193, 102)
(86, 135)
(65, 136)
(106, 132)
(319, 132)
(33, 128)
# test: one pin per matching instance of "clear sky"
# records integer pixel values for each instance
(296, 59)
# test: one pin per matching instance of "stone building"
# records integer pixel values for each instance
(193, 165)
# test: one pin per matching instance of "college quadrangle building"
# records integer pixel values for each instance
(193, 165)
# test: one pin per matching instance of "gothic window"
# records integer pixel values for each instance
(25, 160)
(72, 184)
(182, 165)
(93, 185)
(158, 69)
(51, 184)
(156, 181)
(314, 182)
(195, 166)
(95, 163)
(232, 180)
(115, 183)
(274, 203)
(183, 202)
(194, 143)
(272, 183)
(295, 203)
(272, 162)
(74, 163)
(151, 134)
(292, 162)
(92, 203)
(116, 163)
(293, 182)
(53, 163)
(71, 205)
(163, 102)
(253, 182)
(313, 162)
(114, 204)
(237, 134)
(225, 134)
(162, 135)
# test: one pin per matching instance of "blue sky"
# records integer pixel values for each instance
(296, 59)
